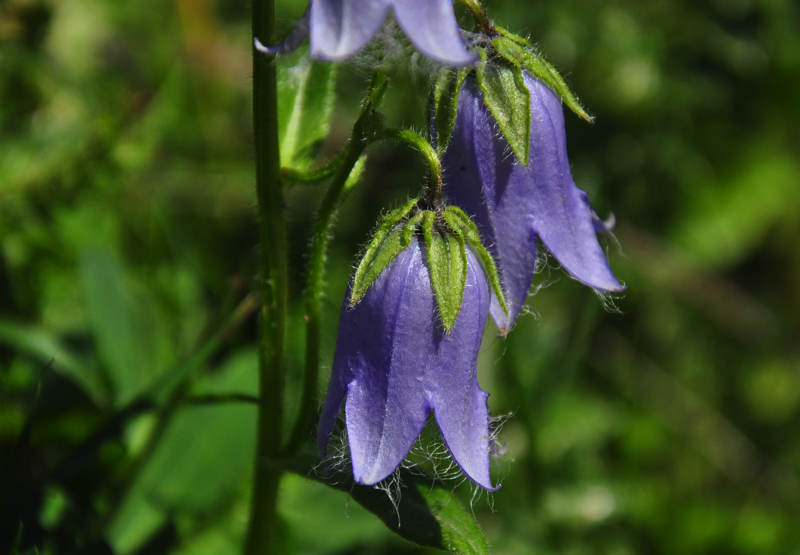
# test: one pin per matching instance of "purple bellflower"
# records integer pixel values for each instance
(395, 363)
(339, 29)
(513, 204)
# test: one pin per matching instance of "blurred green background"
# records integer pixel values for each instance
(128, 236)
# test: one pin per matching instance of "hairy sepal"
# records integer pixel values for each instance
(445, 104)
(447, 260)
(521, 54)
(389, 240)
(466, 228)
(508, 99)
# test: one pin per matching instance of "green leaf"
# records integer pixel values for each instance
(462, 224)
(46, 348)
(125, 326)
(199, 461)
(506, 96)
(387, 243)
(445, 104)
(306, 97)
(424, 512)
(447, 259)
(512, 49)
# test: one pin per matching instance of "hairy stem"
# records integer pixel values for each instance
(319, 247)
(317, 175)
(273, 287)
(434, 192)
(478, 14)
(365, 130)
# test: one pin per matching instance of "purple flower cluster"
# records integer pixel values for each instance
(394, 361)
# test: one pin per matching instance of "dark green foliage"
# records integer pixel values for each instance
(128, 238)
(418, 510)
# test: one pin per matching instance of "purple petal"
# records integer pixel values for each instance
(459, 404)
(600, 225)
(340, 28)
(396, 363)
(561, 217)
(292, 42)
(432, 28)
(512, 204)
(477, 169)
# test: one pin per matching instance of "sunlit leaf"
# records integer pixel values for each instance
(306, 97)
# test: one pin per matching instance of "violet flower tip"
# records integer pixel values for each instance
(260, 47)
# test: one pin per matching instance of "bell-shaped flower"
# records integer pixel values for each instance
(395, 363)
(513, 205)
(339, 29)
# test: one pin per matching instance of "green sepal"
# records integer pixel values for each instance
(445, 104)
(505, 94)
(463, 225)
(413, 224)
(447, 260)
(386, 244)
(519, 52)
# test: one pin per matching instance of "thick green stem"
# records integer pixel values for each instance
(273, 287)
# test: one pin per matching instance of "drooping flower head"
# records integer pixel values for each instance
(339, 29)
(513, 205)
(395, 363)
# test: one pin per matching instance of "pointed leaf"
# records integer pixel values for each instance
(126, 328)
(47, 348)
(462, 224)
(385, 245)
(306, 96)
(445, 104)
(509, 101)
(423, 512)
(527, 59)
(447, 259)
